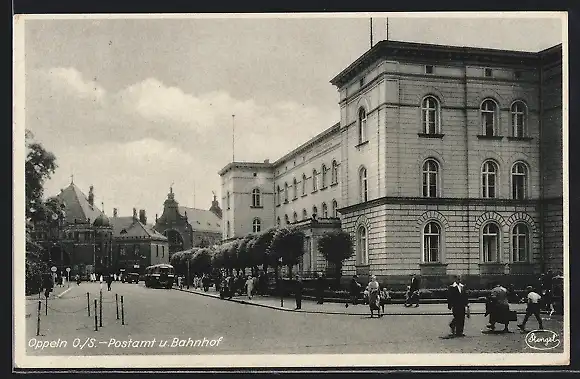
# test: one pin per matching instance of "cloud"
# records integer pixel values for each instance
(133, 143)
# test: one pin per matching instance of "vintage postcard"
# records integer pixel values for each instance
(291, 190)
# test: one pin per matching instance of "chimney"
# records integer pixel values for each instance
(266, 161)
(134, 213)
(114, 212)
(142, 216)
(91, 196)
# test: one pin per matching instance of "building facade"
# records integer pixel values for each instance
(137, 244)
(446, 160)
(187, 227)
(85, 240)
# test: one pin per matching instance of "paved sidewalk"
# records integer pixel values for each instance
(310, 306)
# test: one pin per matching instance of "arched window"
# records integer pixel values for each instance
(295, 188)
(228, 231)
(285, 192)
(363, 185)
(286, 220)
(314, 211)
(519, 181)
(489, 118)
(431, 242)
(304, 214)
(520, 243)
(431, 116)
(430, 178)
(518, 111)
(334, 208)
(324, 169)
(362, 125)
(278, 196)
(490, 242)
(334, 174)
(256, 198)
(362, 246)
(303, 184)
(324, 210)
(256, 225)
(295, 217)
(314, 180)
(489, 173)
(278, 221)
(228, 199)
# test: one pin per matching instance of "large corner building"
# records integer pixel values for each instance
(446, 160)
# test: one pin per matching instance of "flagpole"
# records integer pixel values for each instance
(233, 133)
(371, 30)
(387, 28)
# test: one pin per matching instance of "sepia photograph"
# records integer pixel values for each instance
(290, 190)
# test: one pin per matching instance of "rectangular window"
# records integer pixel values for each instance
(429, 69)
(519, 187)
(487, 72)
(157, 248)
(490, 248)
(488, 123)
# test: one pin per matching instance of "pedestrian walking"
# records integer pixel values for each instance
(109, 281)
(499, 308)
(354, 290)
(374, 296)
(533, 308)
(78, 279)
(415, 284)
(299, 287)
(458, 303)
(320, 287)
(250, 286)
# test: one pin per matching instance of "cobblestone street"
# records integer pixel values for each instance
(155, 315)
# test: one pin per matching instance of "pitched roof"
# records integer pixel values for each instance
(129, 227)
(202, 220)
(77, 205)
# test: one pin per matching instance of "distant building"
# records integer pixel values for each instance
(88, 241)
(446, 160)
(189, 227)
(136, 243)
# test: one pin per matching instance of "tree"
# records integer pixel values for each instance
(260, 248)
(39, 166)
(336, 247)
(200, 262)
(288, 245)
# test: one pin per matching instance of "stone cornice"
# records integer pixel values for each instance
(436, 201)
(421, 52)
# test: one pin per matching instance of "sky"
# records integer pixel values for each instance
(132, 106)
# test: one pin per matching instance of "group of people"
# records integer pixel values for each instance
(496, 307)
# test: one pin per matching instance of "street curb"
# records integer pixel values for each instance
(324, 312)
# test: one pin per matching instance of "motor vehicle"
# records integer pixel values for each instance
(131, 277)
(160, 276)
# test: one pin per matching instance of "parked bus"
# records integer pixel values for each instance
(160, 275)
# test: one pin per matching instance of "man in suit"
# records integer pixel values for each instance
(458, 303)
(298, 291)
(414, 289)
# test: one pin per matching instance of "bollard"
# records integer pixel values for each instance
(38, 318)
(96, 328)
(88, 304)
(122, 312)
(117, 304)
(101, 309)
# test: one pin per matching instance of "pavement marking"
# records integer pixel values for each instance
(62, 293)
